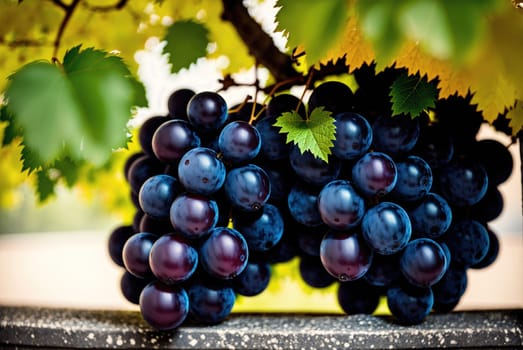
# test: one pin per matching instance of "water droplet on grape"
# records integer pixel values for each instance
(205, 180)
(187, 161)
(256, 206)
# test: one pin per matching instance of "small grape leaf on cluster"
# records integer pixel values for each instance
(411, 94)
(314, 134)
(187, 41)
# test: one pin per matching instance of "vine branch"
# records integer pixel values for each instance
(69, 9)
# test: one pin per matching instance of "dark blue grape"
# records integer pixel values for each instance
(435, 146)
(132, 286)
(248, 187)
(129, 161)
(358, 297)
(313, 272)
(164, 307)
(281, 179)
(116, 241)
(135, 254)
(207, 111)
(274, 144)
(282, 103)
(143, 168)
(452, 285)
(253, 280)
(414, 179)
(431, 217)
(172, 139)
(489, 207)
(262, 232)
(463, 183)
(386, 228)
(309, 238)
(492, 252)
(353, 136)
(468, 242)
(157, 194)
(312, 169)
(172, 259)
(395, 135)
(193, 215)
(303, 204)
(423, 262)
(374, 174)
(177, 103)
(239, 142)
(334, 96)
(224, 253)
(210, 304)
(340, 206)
(384, 270)
(200, 171)
(495, 158)
(408, 304)
(345, 255)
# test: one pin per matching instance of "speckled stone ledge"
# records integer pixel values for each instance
(27, 328)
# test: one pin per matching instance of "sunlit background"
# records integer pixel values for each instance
(55, 254)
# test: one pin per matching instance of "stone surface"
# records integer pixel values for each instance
(25, 328)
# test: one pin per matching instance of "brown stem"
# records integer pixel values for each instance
(60, 4)
(67, 17)
(120, 4)
(259, 43)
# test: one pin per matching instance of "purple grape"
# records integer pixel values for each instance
(146, 132)
(157, 194)
(164, 307)
(152, 225)
(248, 187)
(314, 170)
(200, 171)
(193, 215)
(173, 139)
(353, 136)
(431, 217)
(282, 103)
(423, 262)
(452, 285)
(274, 144)
(386, 228)
(207, 111)
(489, 207)
(172, 259)
(384, 270)
(117, 240)
(210, 304)
(136, 253)
(177, 103)
(132, 286)
(224, 253)
(340, 206)
(492, 252)
(374, 174)
(495, 158)
(345, 255)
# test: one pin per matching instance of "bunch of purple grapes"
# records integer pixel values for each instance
(400, 210)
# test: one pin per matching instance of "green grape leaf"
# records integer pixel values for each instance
(411, 94)
(80, 109)
(10, 131)
(186, 42)
(44, 185)
(515, 115)
(316, 25)
(30, 160)
(68, 170)
(316, 134)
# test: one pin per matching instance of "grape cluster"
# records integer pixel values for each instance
(400, 210)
